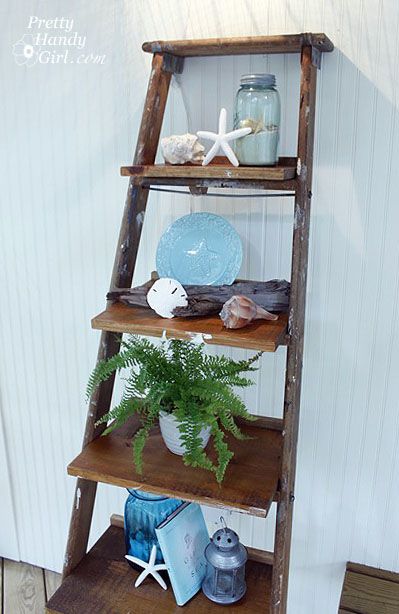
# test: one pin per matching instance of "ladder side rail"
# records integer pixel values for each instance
(295, 332)
(125, 259)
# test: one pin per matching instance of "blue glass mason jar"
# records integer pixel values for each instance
(257, 106)
(143, 512)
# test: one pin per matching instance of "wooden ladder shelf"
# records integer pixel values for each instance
(263, 470)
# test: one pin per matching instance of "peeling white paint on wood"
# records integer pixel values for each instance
(199, 338)
(78, 495)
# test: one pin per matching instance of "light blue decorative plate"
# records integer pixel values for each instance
(200, 248)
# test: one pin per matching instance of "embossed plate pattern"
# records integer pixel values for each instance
(200, 248)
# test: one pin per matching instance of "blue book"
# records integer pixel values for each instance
(183, 537)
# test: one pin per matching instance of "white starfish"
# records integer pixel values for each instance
(222, 140)
(149, 568)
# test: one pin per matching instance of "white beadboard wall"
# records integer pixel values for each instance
(66, 129)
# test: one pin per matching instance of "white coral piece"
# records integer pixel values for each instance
(181, 148)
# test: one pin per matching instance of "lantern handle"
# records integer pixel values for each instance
(223, 523)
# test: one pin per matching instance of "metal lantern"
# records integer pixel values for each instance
(225, 571)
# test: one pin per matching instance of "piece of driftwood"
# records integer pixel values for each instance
(272, 295)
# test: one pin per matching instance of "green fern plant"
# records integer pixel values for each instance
(178, 378)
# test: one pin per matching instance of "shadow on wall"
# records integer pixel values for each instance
(349, 430)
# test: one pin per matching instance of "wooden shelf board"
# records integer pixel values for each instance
(286, 43)
(250, 484)
(104, 582)
(260, 335)
(220, 170)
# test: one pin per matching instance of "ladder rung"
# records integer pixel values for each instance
(286, 43)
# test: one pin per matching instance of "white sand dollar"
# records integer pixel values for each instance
(166, 294)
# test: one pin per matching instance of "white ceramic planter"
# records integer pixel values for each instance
(171, 434)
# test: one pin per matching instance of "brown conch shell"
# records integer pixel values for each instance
(239, 311)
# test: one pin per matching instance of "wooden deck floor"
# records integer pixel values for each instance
(25, 588)
(368, 590)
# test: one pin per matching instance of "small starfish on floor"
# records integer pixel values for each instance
(222, 139)
(149, 568)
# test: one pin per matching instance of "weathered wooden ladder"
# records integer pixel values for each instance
(100, 581)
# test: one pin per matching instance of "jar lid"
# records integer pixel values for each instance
(259, 79)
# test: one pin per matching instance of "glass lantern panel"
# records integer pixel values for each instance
(224, 582)
(240, 580)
